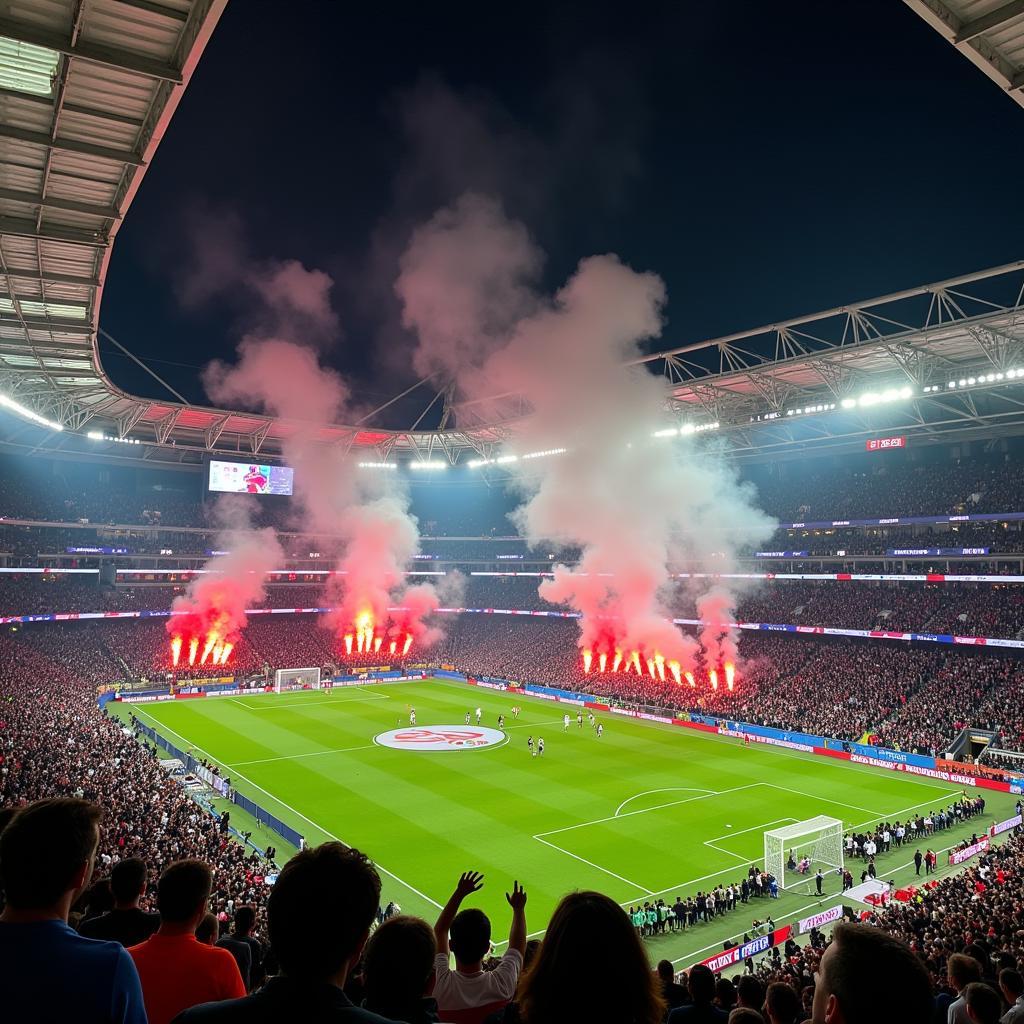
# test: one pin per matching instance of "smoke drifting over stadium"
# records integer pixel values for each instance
(280, 372)
(626, 499)
(205, 621)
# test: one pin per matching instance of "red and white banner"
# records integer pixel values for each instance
(959, 856)
(817, 920)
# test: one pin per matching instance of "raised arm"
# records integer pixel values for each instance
(517, 931)
(469, 883)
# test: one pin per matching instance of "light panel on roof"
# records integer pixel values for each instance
(27, 68)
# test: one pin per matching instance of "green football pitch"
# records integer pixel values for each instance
(646, 810)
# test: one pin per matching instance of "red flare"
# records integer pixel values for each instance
(588, 656)
(392, 646)
(634, 657)
(602, 661)
(690, 679)
(618, 661)
(348, 643)
(730, 674)
(713, 677)
(408, 644)
(650, 667)
(175, 650)
(228, 648)
(377, 641)
(211, 640)
(677, 672)
(193, 650)
(659, 664)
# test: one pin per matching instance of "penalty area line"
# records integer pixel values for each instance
(299, 814)
(597, 867)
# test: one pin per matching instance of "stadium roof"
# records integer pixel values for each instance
(989, 33)
(87, 89)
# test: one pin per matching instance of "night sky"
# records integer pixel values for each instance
(767, 161)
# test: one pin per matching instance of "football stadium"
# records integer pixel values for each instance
(418, 604)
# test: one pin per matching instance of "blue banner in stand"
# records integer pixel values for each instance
(780, 554)
(933, 552)
(974, 517)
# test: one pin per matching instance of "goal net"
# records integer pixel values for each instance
(296, 679)
(795, 853)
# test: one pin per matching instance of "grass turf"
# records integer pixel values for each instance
(646, 810)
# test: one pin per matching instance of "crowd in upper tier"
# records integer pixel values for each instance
(466, 506)
(984, 609)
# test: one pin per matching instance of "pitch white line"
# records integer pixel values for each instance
(295, 757)
(647, 810)
(597, 867)
(740, 831)
(312, 703)
(667, 789)
(298, 814)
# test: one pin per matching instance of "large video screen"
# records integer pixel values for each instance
(250, 478)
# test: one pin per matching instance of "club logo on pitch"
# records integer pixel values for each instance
(440, 737)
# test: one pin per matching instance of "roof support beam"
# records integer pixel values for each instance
(35, 275)
(51, 203)
(21, 228)
(994, 19)
(117, 156)
(105, 56)
(49, 323)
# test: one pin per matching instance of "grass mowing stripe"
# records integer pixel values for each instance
(299, 814)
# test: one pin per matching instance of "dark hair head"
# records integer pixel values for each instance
(665, 970)
(320, 910)
(725, 993)
(701, 983)
(865, 968)
(1012, 980)
(397, 962)
(963, 969)
(43, 849)
(745, 1015)
(128, 879)
(208, 930)
(588, 928)
(782, 1002)
(470, 935)
(245, 919)
(983, 1002)
(750, 991)
(97, 899)
(183, 890)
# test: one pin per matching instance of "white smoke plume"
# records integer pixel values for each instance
(628, 501)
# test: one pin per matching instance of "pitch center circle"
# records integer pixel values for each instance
(435, 738)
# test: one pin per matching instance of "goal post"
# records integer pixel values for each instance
(296, 679)
(814, 844)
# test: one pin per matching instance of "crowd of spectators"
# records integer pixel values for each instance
(60, 861)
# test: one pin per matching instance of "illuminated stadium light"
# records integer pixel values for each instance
(545, 453)
(424, 464)
(377, 465)
(28, 414)
(25, 67)
(667, 432)
(98, 435)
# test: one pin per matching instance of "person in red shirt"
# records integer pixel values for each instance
(176, 969)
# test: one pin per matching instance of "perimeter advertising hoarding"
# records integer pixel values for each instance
(249, 478)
